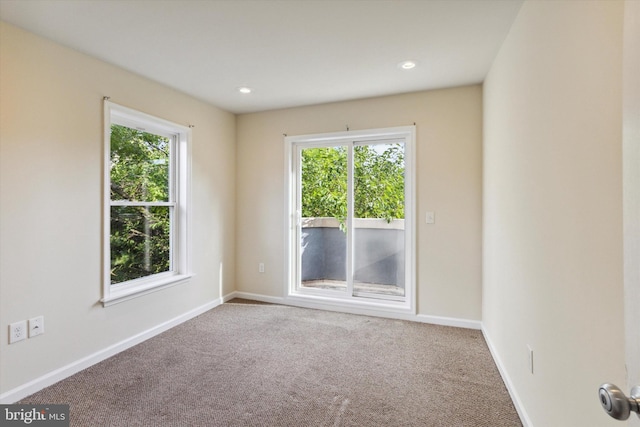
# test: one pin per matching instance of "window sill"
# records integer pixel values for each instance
(129, 292)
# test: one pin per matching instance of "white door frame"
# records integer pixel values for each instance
(359, 305)
(631, 192)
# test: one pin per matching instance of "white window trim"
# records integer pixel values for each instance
(335, 300)
(181, 266)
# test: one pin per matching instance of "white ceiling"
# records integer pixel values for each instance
(291, 53)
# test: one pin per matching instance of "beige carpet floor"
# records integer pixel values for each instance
(244, 364)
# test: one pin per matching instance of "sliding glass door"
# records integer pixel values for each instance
(350, 200)
(323, 200)
(378, 219)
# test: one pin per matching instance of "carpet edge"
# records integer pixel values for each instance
(515, 398)
(59, 374)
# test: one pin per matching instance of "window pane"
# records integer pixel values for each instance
(324, 212)
(379, 219)
(140, 241)
(139, 165)
(379, 181)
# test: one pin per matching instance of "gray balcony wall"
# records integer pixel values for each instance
(379, 251)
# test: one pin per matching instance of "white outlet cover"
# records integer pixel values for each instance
(17, 331)
(36, 326)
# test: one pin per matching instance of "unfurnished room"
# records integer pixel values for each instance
(320, 213)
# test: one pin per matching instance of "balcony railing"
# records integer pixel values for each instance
(378, 255)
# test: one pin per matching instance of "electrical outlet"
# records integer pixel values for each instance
(36, 326)
(261, 267)
(17, 331)
(530, 359)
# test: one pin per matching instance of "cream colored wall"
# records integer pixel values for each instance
(552, 275)
(448, 124)
(51, 154)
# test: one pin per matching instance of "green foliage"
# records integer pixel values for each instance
(140, 235)
(378, 182)
(139, 165)
(324, 182)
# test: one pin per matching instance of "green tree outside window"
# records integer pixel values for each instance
(378, 182)
(140, 235)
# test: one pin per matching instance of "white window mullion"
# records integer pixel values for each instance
(174, 193)
(128, 203)
(298, 214)
(350, 221)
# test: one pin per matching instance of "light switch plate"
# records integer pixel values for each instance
(431, 217)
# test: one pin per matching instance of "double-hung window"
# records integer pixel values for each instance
(146, 193)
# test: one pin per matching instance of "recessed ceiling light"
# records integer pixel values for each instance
(407, 65)
(244, 89)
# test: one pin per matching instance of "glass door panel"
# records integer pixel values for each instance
(378, 220)
(323, 217)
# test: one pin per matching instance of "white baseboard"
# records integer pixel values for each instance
(230, 296)
(53, 377)
(450, 321)
(522, 413)
(345, 308)
(256, 297)
(50, 378)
